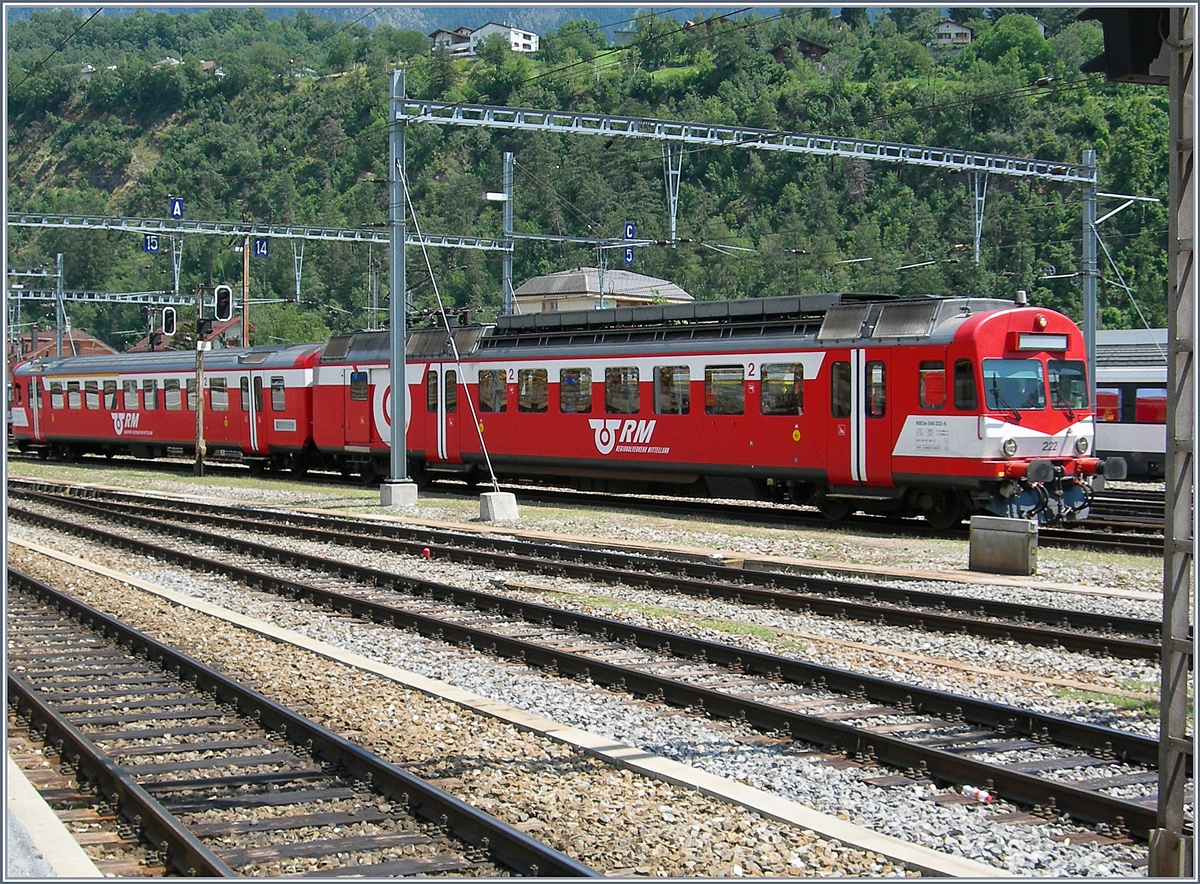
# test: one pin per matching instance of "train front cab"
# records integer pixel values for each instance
(1036, 425)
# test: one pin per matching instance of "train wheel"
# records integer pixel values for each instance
(834, 508)
(948, 511)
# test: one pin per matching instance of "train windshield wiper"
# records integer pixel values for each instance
(999, 397)
(1066, 406)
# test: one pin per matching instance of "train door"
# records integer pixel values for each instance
(258, 418)
(356, 396)
(441, 406)
(859, 442)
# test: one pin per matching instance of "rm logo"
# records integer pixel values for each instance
(124, 420)
(631, 432)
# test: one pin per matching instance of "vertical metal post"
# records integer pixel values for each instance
(506, 286)
(297, 263)
(59, 312)
(176, 258)
(672, 167)
(979, 184)
(1090, 269)
(246, 291)
(198, 467)
(397, 489)
(1170, 850)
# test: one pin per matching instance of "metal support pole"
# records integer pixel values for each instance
(672, 166)
(246, 291)
(297, 263)
(198, 467)
(506, 286)
(59, 312)
(1090, 270)
(979, 183)
(176, 258)
(397, 489)
(1171, 852)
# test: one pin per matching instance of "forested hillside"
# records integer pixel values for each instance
(285, 121)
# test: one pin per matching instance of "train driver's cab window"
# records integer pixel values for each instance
(876, 389)
(1068, 384)
(358, 386)
(56, 395)
(931, 379)
(1014, 384)
(724, 389)
(1108, 404)
(278, 396)
(575, 390)
(218, 394)
(782, 388)
(149, 394)
(110, 395)
(129, 394)
(966, 398)
(839, 391)
(1150, 406)
(91, 394)
(74, 397)
(493, 390)
(621, 390)
(533, 389)
(672, 389)
(191, 394)
(171, 394)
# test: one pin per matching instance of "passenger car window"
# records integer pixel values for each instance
(672, 389)
(532, 389)
(931, 379)
(493, 390)
(278, 395)
(575, 390)
(218, 394)
(782, 388)
(171, 396)
(839, 393)
(149, 395)
(965, 396)
(724, 389)
(621, 393)
(130, 391)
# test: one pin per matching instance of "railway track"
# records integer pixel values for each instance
(809, 592)
(219, 780)
(1049, 764)
(1120, 522)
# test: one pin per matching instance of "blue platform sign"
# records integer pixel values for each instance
(150, 243)
(175, 212)
(629, 254)
(260, 248)
(630, 230)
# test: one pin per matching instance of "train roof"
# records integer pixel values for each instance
(1131, 347)
(822, 318)
(268, 356)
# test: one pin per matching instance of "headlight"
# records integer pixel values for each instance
(1009, 447)
(1081, 445)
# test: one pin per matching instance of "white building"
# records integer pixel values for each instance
(950, 33)
(464, 42)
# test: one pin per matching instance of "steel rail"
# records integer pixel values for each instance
(796, 592)
(177, 846)
(895, 751)
(505, 844)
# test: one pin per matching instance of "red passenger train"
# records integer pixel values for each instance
(939, 407)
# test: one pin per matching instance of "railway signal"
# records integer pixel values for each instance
(168, 321)
(224, 295)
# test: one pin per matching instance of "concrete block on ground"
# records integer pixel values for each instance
(497, 506)
(1003, 546)
(398, 494)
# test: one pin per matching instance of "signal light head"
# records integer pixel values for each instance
(224, 306)
(1039, 322)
